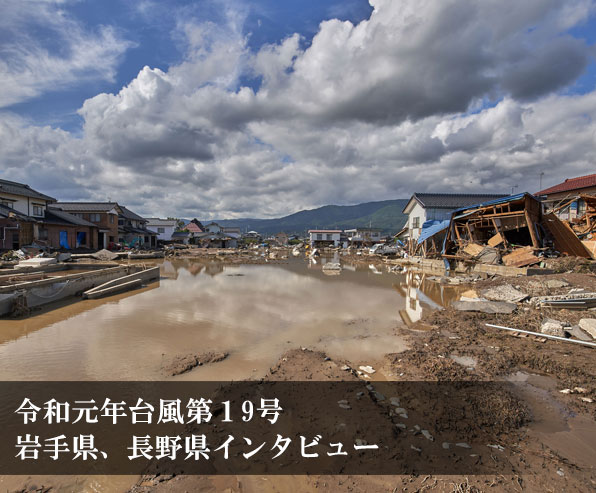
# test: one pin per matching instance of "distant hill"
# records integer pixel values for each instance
(386, 215)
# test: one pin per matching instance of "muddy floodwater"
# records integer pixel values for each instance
(254, 312)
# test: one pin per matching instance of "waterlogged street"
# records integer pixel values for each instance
(252, 312)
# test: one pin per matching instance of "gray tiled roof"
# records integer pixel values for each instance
(87, 206)
(54, 215)
(6, 212)
(15, 188)
(454, 200)
(128, 214)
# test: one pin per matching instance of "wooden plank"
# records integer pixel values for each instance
(530, 224)
(520, 258)
(473, 249)
(495, 240)
(591, 247)
(566, 241)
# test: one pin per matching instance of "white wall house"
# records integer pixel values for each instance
(324, 237)
(23, 199)
(424, 207)
(363, 235)
(163, 227)
(213, 228)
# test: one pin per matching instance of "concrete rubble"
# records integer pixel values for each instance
(504, 292)
(553, 328)
(589, 325)
(484, 306)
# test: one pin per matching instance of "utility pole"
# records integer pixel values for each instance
(513, 188)
(541, 175)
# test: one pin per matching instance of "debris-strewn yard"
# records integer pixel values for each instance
(547, 425)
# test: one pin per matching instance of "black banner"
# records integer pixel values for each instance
(257, 427)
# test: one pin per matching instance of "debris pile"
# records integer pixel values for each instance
(511, 231)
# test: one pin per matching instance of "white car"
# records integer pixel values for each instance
(373, 249)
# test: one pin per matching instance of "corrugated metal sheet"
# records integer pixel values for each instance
(431, 228)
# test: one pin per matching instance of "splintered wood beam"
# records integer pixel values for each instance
(532, 231)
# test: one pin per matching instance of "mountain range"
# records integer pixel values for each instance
(386, 215)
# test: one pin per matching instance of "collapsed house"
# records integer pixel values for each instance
(512, 230)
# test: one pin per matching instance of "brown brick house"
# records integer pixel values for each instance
(28, 216)
(103, 214)
(116, 223)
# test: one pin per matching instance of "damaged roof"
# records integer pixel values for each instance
(569, 184)
(451, 201)
(15, 188)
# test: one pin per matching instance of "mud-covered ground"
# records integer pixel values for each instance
(552, 436)
(548, 436)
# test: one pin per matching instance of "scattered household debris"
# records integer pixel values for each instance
(104, 255)
(579, 301)
(548, 336)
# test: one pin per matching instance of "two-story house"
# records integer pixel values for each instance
(321, 238)
(565, 198)
(164, 228)
(423, 207)
(103, 214)
(363, 236)
(28, 216)
(116, 223)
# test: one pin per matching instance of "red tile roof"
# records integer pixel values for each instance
(193, 228)
(571, 184)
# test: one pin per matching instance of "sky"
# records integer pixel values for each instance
(229, 108)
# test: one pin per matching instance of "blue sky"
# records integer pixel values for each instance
(232, 108)
(151, 27)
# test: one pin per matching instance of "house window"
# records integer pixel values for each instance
(329, 237)
(43, 234)
(120, 222)
(78, 214)
(581, 207)
(319, 236)
(111, 218)
(94, 218)
(161, 230)
(416, 222)
(37, 210)
(6, 203)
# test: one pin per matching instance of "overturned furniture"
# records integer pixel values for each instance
(19, 293)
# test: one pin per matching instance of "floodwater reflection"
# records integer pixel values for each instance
(255, 312)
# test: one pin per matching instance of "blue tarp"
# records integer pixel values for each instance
(504, 200)
(431, 228)
(64, 240)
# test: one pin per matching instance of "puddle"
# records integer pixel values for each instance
(569, 435)
(255, 312)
